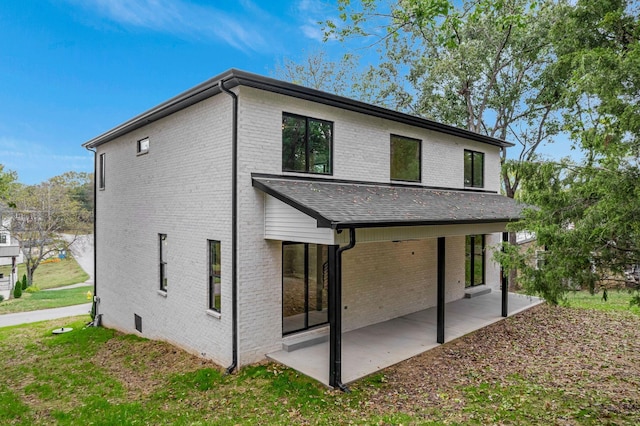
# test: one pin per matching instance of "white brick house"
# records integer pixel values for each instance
(246, 210)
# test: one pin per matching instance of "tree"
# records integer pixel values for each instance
(40, 214)
(6, 181)
(588, 215)
(482, 65)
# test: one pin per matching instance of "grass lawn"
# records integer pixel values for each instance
(617, 300)
(46, 300)
(547, 365)
(52, 275)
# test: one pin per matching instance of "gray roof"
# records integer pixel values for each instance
(233, 78)
(343, 204)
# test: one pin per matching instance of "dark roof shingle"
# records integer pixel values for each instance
(343, 205)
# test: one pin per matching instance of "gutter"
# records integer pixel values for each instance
(335, 328)
(234, 227)
(96, 299)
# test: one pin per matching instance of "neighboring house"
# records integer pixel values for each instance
(248, 210)
(10, 254)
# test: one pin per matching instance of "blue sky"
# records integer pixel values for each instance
(72, 69)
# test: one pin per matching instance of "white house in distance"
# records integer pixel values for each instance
(247, 215)
(10, 254)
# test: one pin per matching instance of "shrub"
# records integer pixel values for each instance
(17, 291)
(1, 298)
(24, 282)
(32, 289)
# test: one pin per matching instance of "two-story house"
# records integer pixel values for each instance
(248, 213)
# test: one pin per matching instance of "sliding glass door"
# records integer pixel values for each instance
(304, 286)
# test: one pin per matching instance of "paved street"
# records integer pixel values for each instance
(44, 315)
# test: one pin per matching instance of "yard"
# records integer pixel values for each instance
(548, 365)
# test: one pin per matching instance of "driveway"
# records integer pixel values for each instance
(82, 250)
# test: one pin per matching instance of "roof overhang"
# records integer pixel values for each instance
(342, 204)
(233, 78)
(9, 251)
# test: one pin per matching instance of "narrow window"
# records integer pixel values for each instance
(143, 146)
(474, 260)
(163, 261)
(473, 169)
(101, 171)
(405, 159)
(3, 238)
(214, 275)
(307, 145)
(305, 277)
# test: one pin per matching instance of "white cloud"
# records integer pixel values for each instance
(185, 19)
(36, 163)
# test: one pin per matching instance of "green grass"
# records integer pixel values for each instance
(46, 300)
(53, 275)
(99, 376)
(617, 300)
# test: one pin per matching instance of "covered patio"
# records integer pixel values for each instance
(372, 348)
(314, 211)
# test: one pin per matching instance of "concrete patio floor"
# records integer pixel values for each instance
(372, 348)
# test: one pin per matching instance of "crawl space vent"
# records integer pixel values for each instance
(138, 320)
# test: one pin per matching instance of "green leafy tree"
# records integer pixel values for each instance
(588, 215)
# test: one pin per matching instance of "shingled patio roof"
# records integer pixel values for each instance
(341, 204)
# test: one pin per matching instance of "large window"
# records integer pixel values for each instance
(214, 275)
(163, 261)
(405, 159)
(101, 171)
(307, 144)
(473, 169)
(305, 275)
(474, 261)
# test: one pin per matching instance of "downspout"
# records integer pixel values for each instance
(94, 307)
(234, 226)
(336, 328)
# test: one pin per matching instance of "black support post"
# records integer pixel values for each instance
(335, 335)
(440, 297)
(504, 282)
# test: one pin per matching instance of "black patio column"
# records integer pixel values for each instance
(335, 332)
(440, 298)
(504, 282)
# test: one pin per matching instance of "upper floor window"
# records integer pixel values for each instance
(405, 159)
(101, 171)
(307, 144)
(473, 169)
(143, 146)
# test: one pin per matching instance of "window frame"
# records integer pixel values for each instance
(306, 143)
(162, 238)
(139, 146)
(102, 160)
(320, 251)
(471, 243)
(408, 139)
(214, 296)
(472, 173)
(3, 238)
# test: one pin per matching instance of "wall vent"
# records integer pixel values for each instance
(138, 320)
